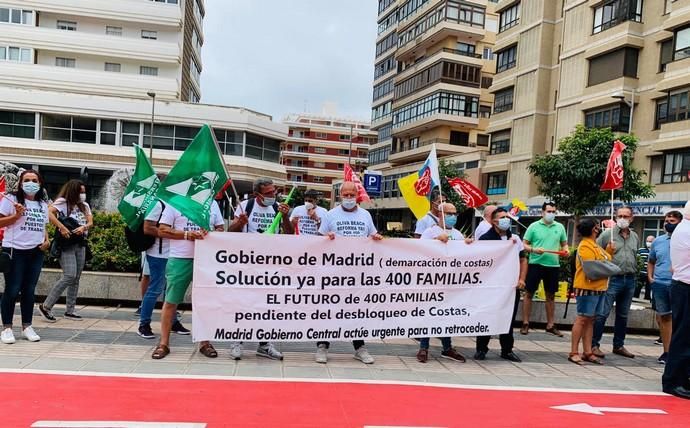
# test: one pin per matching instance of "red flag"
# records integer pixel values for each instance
(471, 196)
(221, 193)
(614, 169)
(349, 175)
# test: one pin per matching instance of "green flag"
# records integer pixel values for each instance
(140, 194)
(196, 178)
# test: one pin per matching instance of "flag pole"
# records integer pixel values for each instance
(612, 205)
(225, 167)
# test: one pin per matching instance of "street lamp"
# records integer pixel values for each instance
(153, 112)
(621, 96)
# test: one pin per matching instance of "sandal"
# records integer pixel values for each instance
(574, 357)
(160, 352)
(208, 350)
(591, 358)
(553, 330)
(525, 328)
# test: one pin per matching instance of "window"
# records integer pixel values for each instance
(67, 25)
(681, 47)
(111, 66)
(384, 66)
(17, 124)
(231, 142)
(483, 140)
(667, 6)
(321, 150)
(497, 183)
(673, 108)
(614, 12)
(509, 17)
(451, 72)
(384, 88)
(488, 54)
(318, 179)
(74, 129)
(113, 31)
(387, 44)
(344, 137)
(343, 152)
(320, 135)
(147, 34)
(130, 133)
(16, 54)
(409, 8)
(319, 165)
(676, 167)
(108, 131)
(506, 59)
(484, 111)
(503, 100)
(382, 111)
(385, 132)
(384, 4)
(613, 65)
(195, 71)
(437, 103)
(262, 148)
(616, 117)
(169, 137)
(148, 71)
(65, 62)
(387, 22)
(487, 81)
(16, 16)
(653, 228)
(451, 11)
(379, 155)
(465, 49)
(500, 143)
(665, 54)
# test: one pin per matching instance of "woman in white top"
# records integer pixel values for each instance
(71, 202)
(24, 214)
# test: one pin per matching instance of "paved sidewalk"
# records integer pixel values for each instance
(106, 341)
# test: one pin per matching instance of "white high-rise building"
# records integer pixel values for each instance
(77, 83)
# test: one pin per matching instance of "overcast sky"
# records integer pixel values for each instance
(276, 55)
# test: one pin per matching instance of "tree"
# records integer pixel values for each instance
(572, 177)
(465, 215)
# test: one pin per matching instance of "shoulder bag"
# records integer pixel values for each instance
(598, 269)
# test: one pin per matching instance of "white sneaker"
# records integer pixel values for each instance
(30, 335)
(7, 336)
(236, 351)
(269, 351)
(363, 355)
(321, 354)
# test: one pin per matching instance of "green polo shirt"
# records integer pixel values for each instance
(548, 237)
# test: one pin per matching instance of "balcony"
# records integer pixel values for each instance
(675, 76)
(419, 151)
(446, 27)
(441, 54)
(148, 12)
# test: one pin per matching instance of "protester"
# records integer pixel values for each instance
(144, 281)
(660, 277)
(24, 214)
(157, 260)
(256, 215)
(306, 218)
(542, 238)
(500, 230)
(432, 217)
(675, 380)
(487, 223)
(181, 233)
(643, 255)
(589, 293)
(443, 234)
(71, 202)
(339, 222)
(623, 243)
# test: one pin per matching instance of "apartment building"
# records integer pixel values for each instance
(623, 64)
(434, 65)
(318, 148)
(79, 80)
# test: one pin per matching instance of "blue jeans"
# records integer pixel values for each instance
(21, 279)
(156, 287)
(445, 342)
(621, 290)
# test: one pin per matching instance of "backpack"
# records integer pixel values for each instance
(250, 207)
(137, 240)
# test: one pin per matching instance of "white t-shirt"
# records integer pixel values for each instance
(307, 225)
(435, 231)
(425, 222)
(345, 223)
(29, 231)
(161, 248)
(259, 218)
(483, 227)
(60, 204)
(680, 252)
(179, 248)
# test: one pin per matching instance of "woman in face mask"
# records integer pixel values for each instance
(24, 213)
(71, 202)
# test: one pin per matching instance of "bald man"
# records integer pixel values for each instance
(485, 224)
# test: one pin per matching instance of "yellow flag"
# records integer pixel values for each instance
(419, 204)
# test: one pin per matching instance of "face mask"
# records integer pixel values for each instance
(670, 227)
(622, 223)
(82, 197)
(597, 232)
(649, 244)
(504, 223)
(349, 203)
(549, 217)
(267, 202)
(451, 219)
(309, 206)
(30, 188)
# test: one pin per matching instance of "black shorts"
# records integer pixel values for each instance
(546, 274)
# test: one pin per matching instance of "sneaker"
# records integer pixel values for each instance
(7, 336)
(146, 332)
(269, 351)
(480, 355)
(30, 335)
(321, 354)
(452, 354)
(46, 313)
(663, 358)
(73, 317)
(236, 351)
(423, 355)
(178, 328)
(363, 355)
(659, 342)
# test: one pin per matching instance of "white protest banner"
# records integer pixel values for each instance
(253, 287)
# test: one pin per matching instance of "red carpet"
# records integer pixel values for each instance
(30, 398)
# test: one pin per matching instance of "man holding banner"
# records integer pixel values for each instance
(348, 220)
(306, 219)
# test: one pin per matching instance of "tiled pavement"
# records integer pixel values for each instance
(106, 341)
